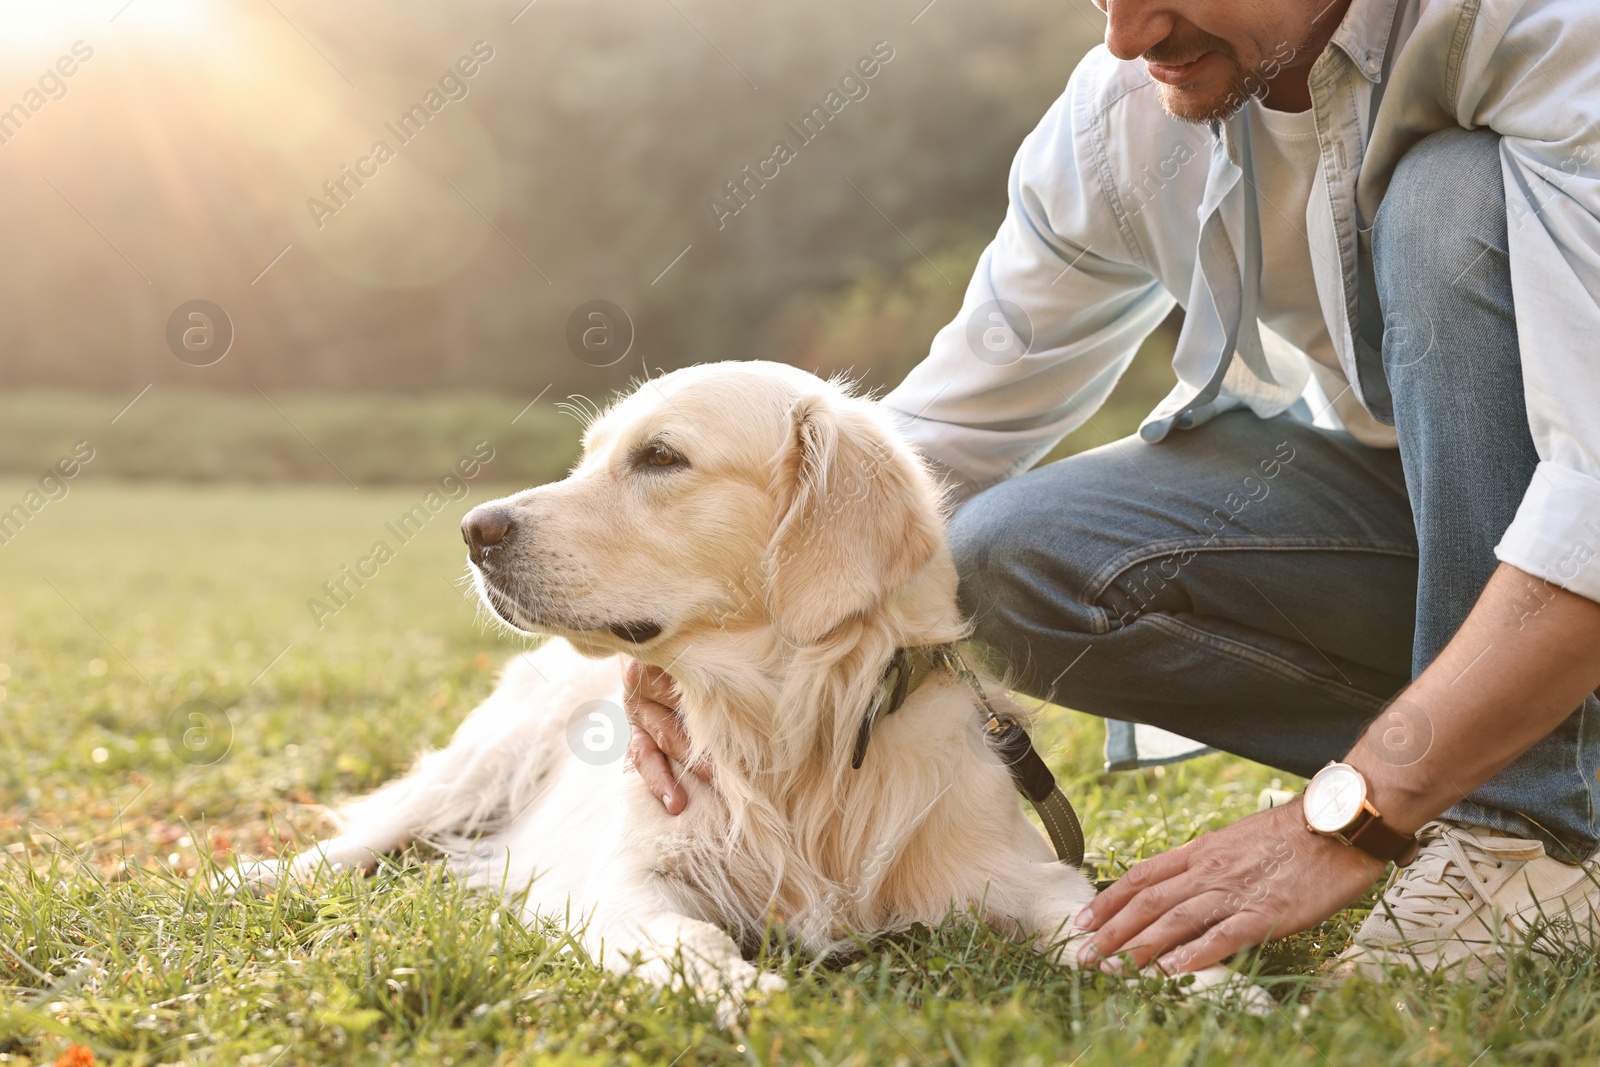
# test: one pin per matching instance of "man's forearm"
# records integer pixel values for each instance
(1525, 658)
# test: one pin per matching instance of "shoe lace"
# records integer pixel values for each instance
(1451, 873)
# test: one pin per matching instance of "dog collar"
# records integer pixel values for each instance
(908, 668)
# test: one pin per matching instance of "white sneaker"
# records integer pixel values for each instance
(1471, 897)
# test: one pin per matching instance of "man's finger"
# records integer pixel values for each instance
(1175, 926)
(1128, 926)
(647, 696)
(652, 766)
(1215, 945)
(657, 685)
(666, 729)
(1141, 876)
(663, 727)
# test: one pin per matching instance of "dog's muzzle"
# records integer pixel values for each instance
(489, 530)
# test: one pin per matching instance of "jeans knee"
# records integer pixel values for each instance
(1439, 239)
(1445, 207)
(980, 546)
(1015, 558)
(1446, 200)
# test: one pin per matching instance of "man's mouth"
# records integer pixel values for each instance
(1176, 73)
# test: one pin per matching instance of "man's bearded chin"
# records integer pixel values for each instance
(1208, 104)
(1207, 100)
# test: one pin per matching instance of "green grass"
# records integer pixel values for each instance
(109, 938)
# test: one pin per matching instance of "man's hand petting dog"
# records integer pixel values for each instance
(657, 733)
(1262, 877)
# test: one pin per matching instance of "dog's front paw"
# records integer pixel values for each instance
(260, 877)
(1063, 951)
(1228, 989)
(767, 982)
(316, 861)
(251, 877)
(733, 997)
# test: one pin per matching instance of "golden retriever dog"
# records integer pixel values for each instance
(770, 541)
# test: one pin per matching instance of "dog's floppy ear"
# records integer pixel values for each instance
(858, 522)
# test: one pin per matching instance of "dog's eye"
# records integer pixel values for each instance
(657, 456)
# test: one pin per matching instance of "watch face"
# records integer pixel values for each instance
(1333, 798)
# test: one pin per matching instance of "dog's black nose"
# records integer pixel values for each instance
(483, 528)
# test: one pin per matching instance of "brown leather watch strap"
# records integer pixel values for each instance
(1383, 842)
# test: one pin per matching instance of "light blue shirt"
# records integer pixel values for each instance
(1118, 212)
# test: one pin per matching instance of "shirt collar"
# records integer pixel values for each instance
(1364, 34)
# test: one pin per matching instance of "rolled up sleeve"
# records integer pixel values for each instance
(1537, 84)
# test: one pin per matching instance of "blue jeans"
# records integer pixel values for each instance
(1264, 586)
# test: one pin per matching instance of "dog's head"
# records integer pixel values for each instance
(726, 497)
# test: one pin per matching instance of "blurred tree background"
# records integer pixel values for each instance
(581, 164)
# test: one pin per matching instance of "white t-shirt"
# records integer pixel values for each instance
(1285, 156)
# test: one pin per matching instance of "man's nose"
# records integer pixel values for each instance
(1135, 26)
(483, 528)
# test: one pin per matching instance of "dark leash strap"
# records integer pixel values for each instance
(908, 668)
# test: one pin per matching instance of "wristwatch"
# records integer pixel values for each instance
(1336, 804)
